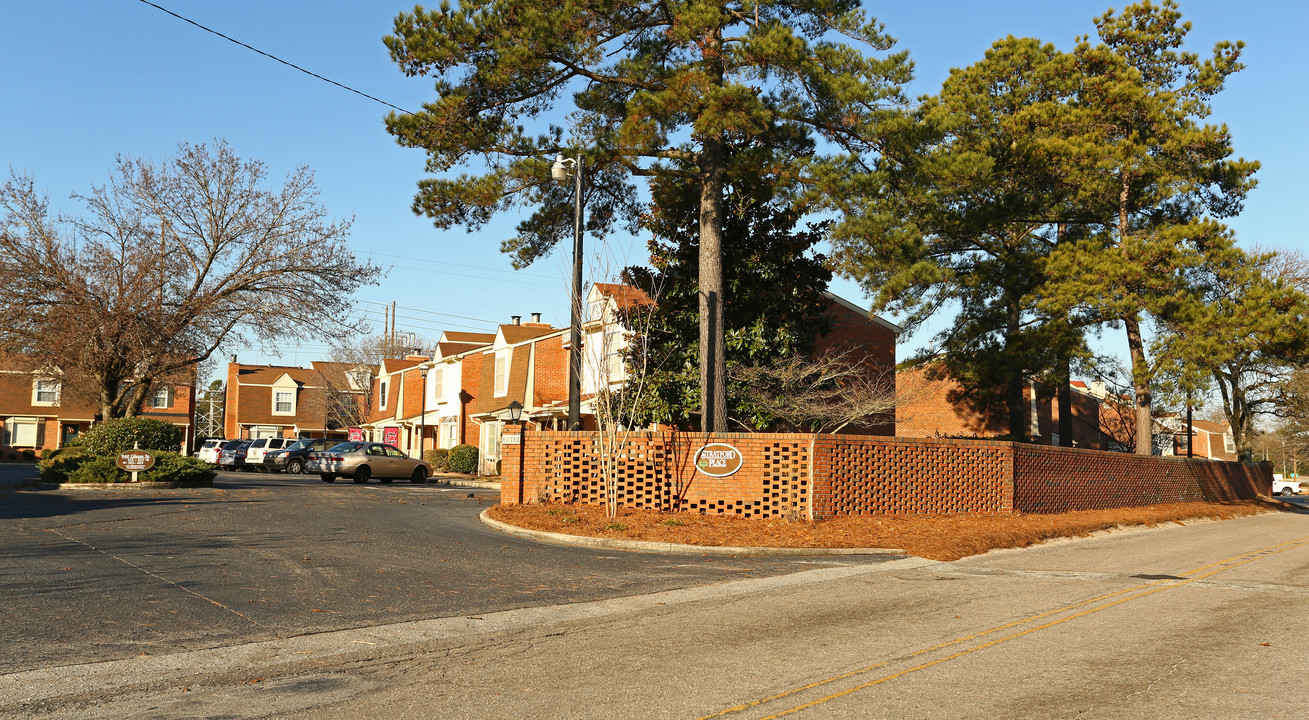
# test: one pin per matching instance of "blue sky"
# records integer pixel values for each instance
(84, 80)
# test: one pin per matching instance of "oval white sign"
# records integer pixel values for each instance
(718, 460)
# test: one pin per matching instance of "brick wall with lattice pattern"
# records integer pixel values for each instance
(820, 476)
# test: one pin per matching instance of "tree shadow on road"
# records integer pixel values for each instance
(22, 504)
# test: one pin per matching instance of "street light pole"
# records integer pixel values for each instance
(560, 172)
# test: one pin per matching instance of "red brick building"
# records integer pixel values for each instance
(288, 401)
(38, 414)
(934, 405)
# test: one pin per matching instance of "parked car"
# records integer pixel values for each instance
(363, 460)
(233, 455)
(210, 449)
(292, 458)
(254, 457)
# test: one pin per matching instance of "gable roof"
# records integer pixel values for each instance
(1209, 426)
(866, 313)
(514, 334)
(467, 337)
(624, 296)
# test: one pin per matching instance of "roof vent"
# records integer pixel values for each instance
(536, 317)
(516, 319)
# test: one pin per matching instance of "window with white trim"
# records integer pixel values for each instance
(438, 382)
(449, 434)
(283, 402)
(1228, 444)
(162, 398)
(23, 432)
(501, 373)
(381, 400)
(45, 392)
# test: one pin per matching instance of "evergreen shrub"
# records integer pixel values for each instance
(114, 436)
(463, 459)
(439, 459)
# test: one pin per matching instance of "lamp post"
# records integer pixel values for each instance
(560, 173)
(422, 416)
(515, 412)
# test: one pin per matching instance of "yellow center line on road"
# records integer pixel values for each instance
(1154, 587)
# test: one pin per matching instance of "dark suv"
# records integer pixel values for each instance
(292, 458)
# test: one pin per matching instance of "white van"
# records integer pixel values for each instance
(254, 457)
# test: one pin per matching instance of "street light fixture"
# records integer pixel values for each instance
(515, 412)
(422, 416)
(560, 173)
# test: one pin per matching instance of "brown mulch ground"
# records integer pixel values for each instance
(948, 537)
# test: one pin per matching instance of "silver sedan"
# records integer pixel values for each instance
(363, 460)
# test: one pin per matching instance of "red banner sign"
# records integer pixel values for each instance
(355, 434)
(391, 435)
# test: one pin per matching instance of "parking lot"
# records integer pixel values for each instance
(102, 574)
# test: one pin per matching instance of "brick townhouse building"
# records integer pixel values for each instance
(461, 393)
(289, 401)
(38, 413)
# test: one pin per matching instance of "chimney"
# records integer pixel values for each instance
(536, 317)
(516, 319)
(1098, 389)
(233, 358)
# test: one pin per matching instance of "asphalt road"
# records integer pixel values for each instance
(1195, 621)
(92, 575)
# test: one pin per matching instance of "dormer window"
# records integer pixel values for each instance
(381, 401)
(283, 402)
(45, 392)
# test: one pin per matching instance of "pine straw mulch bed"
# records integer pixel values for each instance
(942, 537)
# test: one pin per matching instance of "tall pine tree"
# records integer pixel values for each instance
(650, 89)
(1166, 173)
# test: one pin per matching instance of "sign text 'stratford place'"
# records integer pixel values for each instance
(718, 460)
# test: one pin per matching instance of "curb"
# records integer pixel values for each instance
(675, 548)
(130, 486)
(458, 482)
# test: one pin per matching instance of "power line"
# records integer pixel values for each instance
(519, 273)
(431, 312)
(274, 57)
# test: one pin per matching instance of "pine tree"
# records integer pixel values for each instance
(1167, 174)
(653, 90)
(774, 288)
(982, 188)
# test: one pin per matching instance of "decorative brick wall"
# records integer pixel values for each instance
(904, 476)
(822, 476)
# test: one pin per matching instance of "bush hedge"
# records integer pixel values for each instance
(463, 459)
(76, 465)
(114, 436)
(439, 459)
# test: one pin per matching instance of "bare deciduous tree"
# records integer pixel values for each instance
(168, 263)
(825, 393)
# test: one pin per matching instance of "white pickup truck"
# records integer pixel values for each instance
(1285, 487)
